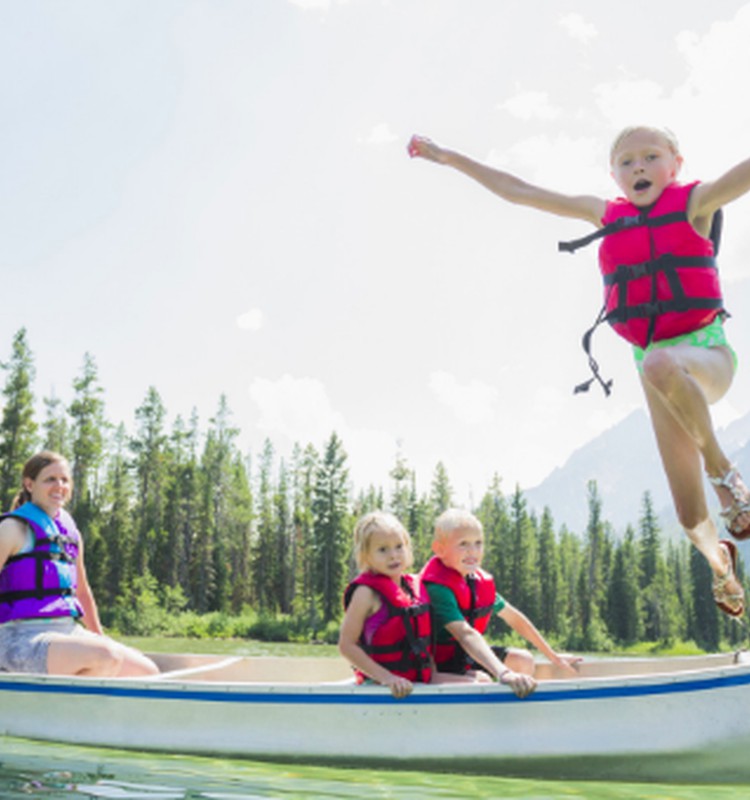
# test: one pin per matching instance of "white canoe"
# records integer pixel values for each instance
(685, 718)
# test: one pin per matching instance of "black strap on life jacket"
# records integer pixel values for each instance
(667, 264)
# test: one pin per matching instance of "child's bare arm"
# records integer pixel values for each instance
(364, 603)
(522, 625)
(475, 645)
(509, 187)
(708, 197)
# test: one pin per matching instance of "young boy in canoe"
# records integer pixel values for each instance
(463, 599)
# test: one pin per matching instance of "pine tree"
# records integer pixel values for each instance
(217, 519)
(304, 468)
(493, 514)
(522, 588)
(265, 563)
(592, 583)
(657, 590)
(550, 582)
(56, 428)
(623, 594)
(116, 566)
(88, 433)
(400, 501)
(151, 469)
(331, 526)
(17, 426)
(282, 544)
(239, 534)
(182, 502)
(441, 493)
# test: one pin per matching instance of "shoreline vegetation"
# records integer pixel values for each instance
(255, 647)
(189, 536)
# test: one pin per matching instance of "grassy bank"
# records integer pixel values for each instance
(254, 647)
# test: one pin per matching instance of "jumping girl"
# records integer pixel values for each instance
(662, 295)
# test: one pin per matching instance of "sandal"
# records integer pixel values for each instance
(731, 604)
(740, 504)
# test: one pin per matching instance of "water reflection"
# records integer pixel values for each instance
(63, 772)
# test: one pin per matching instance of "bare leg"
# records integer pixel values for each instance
(686, 379)
(95, 655)
(520, 661)
(685, 437)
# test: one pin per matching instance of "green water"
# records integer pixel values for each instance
(50, 771)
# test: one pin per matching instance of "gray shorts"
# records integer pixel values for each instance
(24, 643)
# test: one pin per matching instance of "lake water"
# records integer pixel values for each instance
(50, 771)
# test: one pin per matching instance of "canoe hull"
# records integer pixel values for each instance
(686, 712)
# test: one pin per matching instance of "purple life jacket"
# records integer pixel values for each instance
(42, 582)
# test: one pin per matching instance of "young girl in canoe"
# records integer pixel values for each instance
(662, 295)
(386, 633)
(44, 592)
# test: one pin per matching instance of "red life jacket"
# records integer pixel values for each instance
(660, 275)
(403, 643)
(475, 596)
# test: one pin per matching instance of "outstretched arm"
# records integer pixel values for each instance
(522, 625)
(508, 186)
(709, 196)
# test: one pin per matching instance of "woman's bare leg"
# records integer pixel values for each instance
(95, 656)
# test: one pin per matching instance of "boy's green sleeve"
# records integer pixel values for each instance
(444, 605)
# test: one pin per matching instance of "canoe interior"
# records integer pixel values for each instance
(280, 669)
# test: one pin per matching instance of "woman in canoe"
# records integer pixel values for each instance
(44, 592)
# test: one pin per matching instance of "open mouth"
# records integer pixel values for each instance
(642, 185)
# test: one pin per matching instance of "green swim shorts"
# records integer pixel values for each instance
(712, 335)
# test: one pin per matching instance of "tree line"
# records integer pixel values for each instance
(181, 514)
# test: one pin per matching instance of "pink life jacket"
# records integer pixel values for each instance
(402, 644)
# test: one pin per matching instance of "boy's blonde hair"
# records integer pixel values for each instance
(378, 522)
(664, 133)
(456, 519)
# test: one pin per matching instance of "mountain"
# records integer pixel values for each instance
(625, 463)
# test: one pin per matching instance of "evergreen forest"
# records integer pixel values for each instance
(187, 535)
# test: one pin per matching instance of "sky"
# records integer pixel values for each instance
(213, 197)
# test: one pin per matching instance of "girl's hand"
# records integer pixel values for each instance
(400, 687)
(422, 147)
(522, 685)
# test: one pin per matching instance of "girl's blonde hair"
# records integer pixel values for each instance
(664, 133)
(32, 468)
(456, 519)
(378, 522)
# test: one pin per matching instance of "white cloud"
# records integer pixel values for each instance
(555, 161)
(251, 320)
(299, 410)
(631, 102)
(380, 134)
(323, 5)
(577, 27)
(531, 105)
(472, 403)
